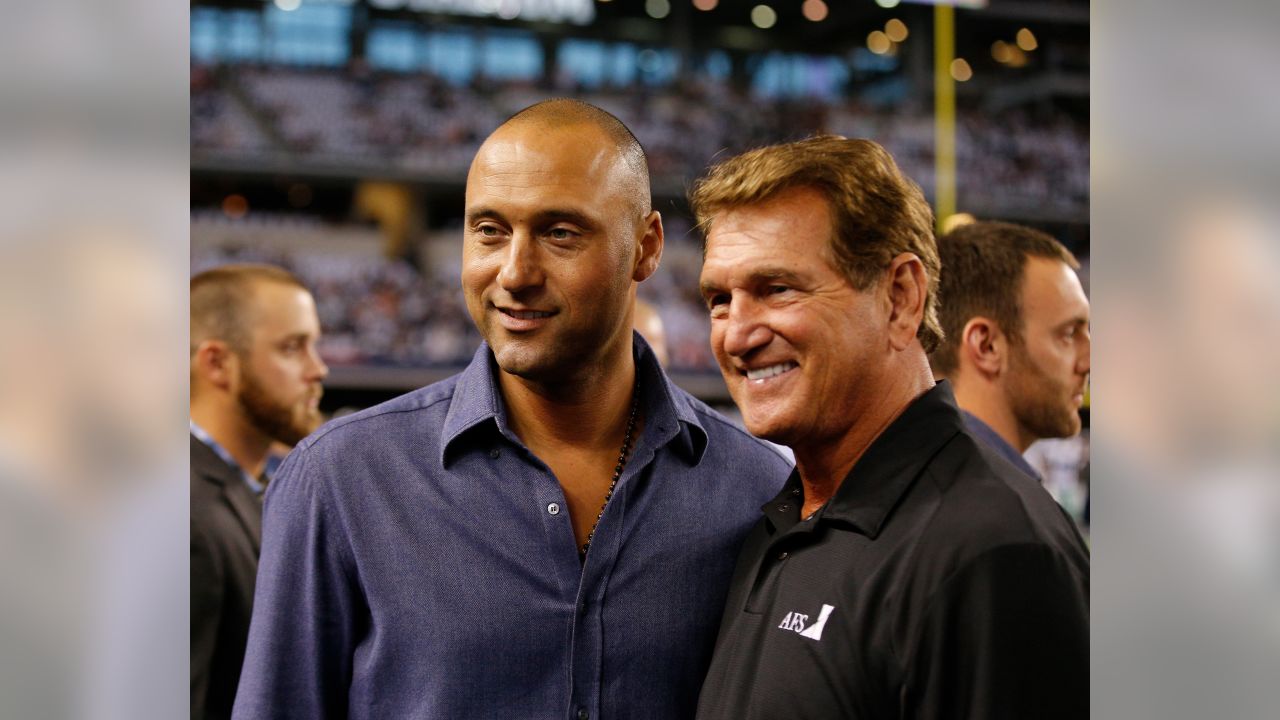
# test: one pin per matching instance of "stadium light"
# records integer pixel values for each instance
(1027, 40)
(896, 30)
(814, 10)
(706, 5)
(960, 70)
(763, 17)
(878, 42)
(888, 3)
(657, 9)
(288, 5)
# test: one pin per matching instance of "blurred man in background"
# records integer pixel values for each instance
(255, 379)
(550, 533)
(1016, 325)
(905, 571)
(650, 326)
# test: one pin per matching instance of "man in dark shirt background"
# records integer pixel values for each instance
(906, 570)
(550, 533)
(1016, 325)
(255, 380)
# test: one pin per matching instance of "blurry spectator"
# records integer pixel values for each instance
(418, 123)
(649, 324)
(255, 379)
(1016, 324)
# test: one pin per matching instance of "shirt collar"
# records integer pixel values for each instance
(225, 455)
(995, 441)
(889, 466)
(669, 415)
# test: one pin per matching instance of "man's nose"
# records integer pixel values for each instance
(318, 370)
(521, 268)
(1082, 360)
(747, 328)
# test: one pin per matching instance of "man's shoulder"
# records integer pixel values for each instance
(985, 503)
(400, 417)
(210, 474)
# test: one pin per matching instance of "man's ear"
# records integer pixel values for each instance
(908, 288)
(649, 249)
(216, 364)
(984, 345)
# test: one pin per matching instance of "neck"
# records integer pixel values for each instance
(230, 429)
(824, 465)
(589, 411)
(985, 400)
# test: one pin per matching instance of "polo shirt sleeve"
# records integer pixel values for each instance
(306, 604)
(1006, 636)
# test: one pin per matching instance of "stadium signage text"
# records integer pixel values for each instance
(577, 12)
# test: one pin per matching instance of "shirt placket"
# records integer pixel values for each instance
(588, 636)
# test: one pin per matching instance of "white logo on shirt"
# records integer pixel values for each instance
(798, 623)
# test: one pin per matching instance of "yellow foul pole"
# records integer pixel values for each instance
(944, 93)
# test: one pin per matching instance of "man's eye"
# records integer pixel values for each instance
(775, 289)
(561, 233)
(714, 301)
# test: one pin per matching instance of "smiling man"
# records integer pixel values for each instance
(906, 570)
(1017, 335)
(550, 533)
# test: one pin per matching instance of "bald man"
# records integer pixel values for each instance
(550, 533)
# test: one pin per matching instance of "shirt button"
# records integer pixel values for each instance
(553, 508)
(583, 714)
(795, 491)
(494, 453)
(784, 507)
(783, 555)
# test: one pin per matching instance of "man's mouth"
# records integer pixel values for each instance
(526, 314)
(522, 320)
(770, 371)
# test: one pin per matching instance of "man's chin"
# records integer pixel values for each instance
(769, 427)
(526, 362)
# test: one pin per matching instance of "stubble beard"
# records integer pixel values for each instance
(286, 423)
(1042, 404)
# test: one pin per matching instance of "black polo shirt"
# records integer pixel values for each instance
(939, 582)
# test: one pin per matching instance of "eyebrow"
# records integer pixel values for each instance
(760, 276)
(542, 217)
(294, 337)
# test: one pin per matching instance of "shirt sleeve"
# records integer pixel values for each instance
(307, 605)
(1007, 636)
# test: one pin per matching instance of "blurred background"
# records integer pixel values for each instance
(333, 137)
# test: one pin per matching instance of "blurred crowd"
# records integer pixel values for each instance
(421, 123)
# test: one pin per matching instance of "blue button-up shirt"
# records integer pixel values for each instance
(417, 563)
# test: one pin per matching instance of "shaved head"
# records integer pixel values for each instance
(562, 113)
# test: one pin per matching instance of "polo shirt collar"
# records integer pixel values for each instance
(669, 415)
(890, 466)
